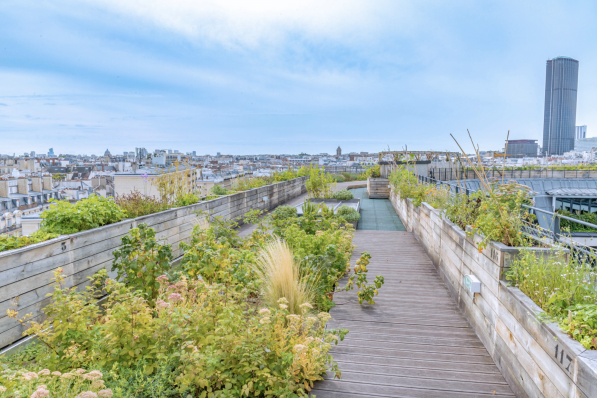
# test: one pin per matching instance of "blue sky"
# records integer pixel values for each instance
(247, 77)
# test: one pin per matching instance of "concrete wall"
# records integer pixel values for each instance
(25, 273)
(537, 359)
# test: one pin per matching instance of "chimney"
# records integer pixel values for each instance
(48, 183)
(36, 184)
(23, 185)
(4, 188)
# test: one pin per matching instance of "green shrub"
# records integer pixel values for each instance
(373, 171)
(565, 290)
(209, 338)
(15, 242)
(141, 259)
(219, 190)
(186, 200)
(348, 213)
(344, 194)
(575, 227)
(338, 177)
(320, 185)
(136, 204)
(65, 218)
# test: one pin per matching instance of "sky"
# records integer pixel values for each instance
(256, 77)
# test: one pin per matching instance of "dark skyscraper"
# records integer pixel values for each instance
(561, 83)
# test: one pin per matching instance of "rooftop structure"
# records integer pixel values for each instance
(522, 148)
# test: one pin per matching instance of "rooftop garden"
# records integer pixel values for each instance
(565, 287)
(239, 316)
(65, 218)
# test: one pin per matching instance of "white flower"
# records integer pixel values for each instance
(264, 311)
(105, 393)
(283, 306)
(44, 372)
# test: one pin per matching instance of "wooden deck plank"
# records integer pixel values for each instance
(413, 342)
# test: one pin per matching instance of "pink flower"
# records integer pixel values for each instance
(162, 304)
(162, 278)
(175, 297)
(172, 287)
(41, 392)
(105, 393)
(87, 394)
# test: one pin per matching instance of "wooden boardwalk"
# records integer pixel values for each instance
(413, 342)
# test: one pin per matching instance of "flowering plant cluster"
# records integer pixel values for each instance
(564, 289)
(46, 384)
(211, 338)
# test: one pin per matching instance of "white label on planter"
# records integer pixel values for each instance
(389, 186)
(265, 198)
(472, 283)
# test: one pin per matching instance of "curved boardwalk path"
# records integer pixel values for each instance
(413, 342)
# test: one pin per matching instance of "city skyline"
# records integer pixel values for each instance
(283, 77)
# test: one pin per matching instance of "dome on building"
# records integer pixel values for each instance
(107, 153)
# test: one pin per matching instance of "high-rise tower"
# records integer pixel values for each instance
(561, 84)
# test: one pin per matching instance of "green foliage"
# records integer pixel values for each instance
(561, 288)
(219, 190)
(501, 215)
(343, 194)
(200, 339)
(373, 171)
(359, 278)
(186, 200)
(15, 242)
(348, 213)
(407, 185)
(141, 259)
(136, 204)
(65, 218)
(23, 383)
(575, 227)
(581, 324)
(320, 185)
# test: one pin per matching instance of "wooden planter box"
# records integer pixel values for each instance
(378, 188)
(537, 359)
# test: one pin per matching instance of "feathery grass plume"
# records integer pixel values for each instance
(281, 277)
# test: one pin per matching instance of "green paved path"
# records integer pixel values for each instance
(377, 214)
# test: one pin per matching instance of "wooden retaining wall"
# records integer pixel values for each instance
(377, 188)
(537, 359)
(25, 273)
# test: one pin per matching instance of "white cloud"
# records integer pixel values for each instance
(249, 23)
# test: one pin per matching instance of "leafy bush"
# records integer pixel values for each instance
(141, 259)
(348, 213)
(338, 177)
(136, 204)
(45, 383)
(15, 242)
(407, 185)
(212, 339)
(344, 194)
(186, 200)
(64, 218)
(575, 227)
(581, 324)
(564, 290)
(219, 190)
(373, 171)
(320, 185)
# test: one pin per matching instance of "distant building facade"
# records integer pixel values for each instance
(585, 144)
(559, 122)
(581, 132)
(522, 148)
(339, 151)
